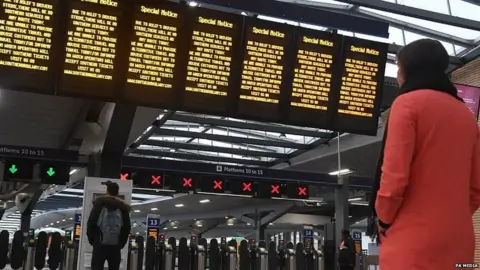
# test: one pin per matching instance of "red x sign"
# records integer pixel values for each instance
(217, 184)
(124, 176)
(247, 187)
(275, 189)
(302, 191)
(187, 182)
(156, 179)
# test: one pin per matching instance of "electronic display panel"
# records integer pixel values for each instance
(90, 50)
(362, 73)
(263, 70)
(26, 29)
(214, 45)
(151, 77)
(316, 60)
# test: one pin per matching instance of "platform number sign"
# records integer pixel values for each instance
(153, 222)
(307, 233)
(357, 235)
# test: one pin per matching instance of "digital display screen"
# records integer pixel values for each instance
(153, 53)
(26, 29)
(262, 72)
(470, 95)
(77, 232)
(362, 72)
(316, 61)
(153, 232)
(214, 37)
(91, 48)
(171, 56)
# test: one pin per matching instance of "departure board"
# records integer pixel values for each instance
(169, 55)
(214, 39)
(362, 72)
(316, 61)
(263, 66)
(153, 53)
(26, 29)
(91, 47)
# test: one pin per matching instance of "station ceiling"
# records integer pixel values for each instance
(65, 123)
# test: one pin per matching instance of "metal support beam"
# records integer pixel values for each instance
(26, 215)
(472, 55)
(230, 139)
(416, 13)
(116, 140)
(473, 2)
(196, 157)
(417, 29)
(146, 135)
(276, 214)
(249, 125)
(214, 149)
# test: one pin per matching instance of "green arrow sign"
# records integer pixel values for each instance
(51, 171)
(13, 169)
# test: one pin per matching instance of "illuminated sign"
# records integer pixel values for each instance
(313, 77)
(26, 29)
(26, 33)
(210, 55)
(263, 66)
(77, 231)
(153, 232)
(91, 47)
(124, 176)
(153, 53)
(187, 182)
(218, 185)
(156, 180)
(361, 82)
(275, 189)
(247, 186)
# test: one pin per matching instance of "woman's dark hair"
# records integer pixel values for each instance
(422, 55)
(345, 233)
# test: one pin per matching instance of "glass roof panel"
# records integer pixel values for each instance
(457, 31)
(410, 37)
(439, 6)
(465, 10)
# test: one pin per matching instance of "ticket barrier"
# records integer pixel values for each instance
(262, 259)
(69, 262)
(318, 260)
(133, 256)
(290, 261)
(169, 261)
(26, 252)
(232, 258)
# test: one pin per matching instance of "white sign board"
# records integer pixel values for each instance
(94, 187)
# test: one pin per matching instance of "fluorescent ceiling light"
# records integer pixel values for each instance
(175, 227)
(244, 13)
(341, 172)
(205, 201)
(154, 209)
(192, 3)
(136, 211)
(359, 203)
(179, 205)
(134, 195)
(354, 199)
(230, 224)
(199, 225)
(248, 224)
(73, 171)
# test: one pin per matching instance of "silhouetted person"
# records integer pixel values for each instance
(108, 228)
(427, 186)
(347, 253)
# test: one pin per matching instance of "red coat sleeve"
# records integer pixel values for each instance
(475, 181)
(398, 155)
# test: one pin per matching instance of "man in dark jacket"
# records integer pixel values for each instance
(108, 228)
(347, 253)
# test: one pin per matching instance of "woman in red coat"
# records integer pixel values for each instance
(428, 187)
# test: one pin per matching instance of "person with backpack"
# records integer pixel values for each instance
(347, 254)
(108, 228)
